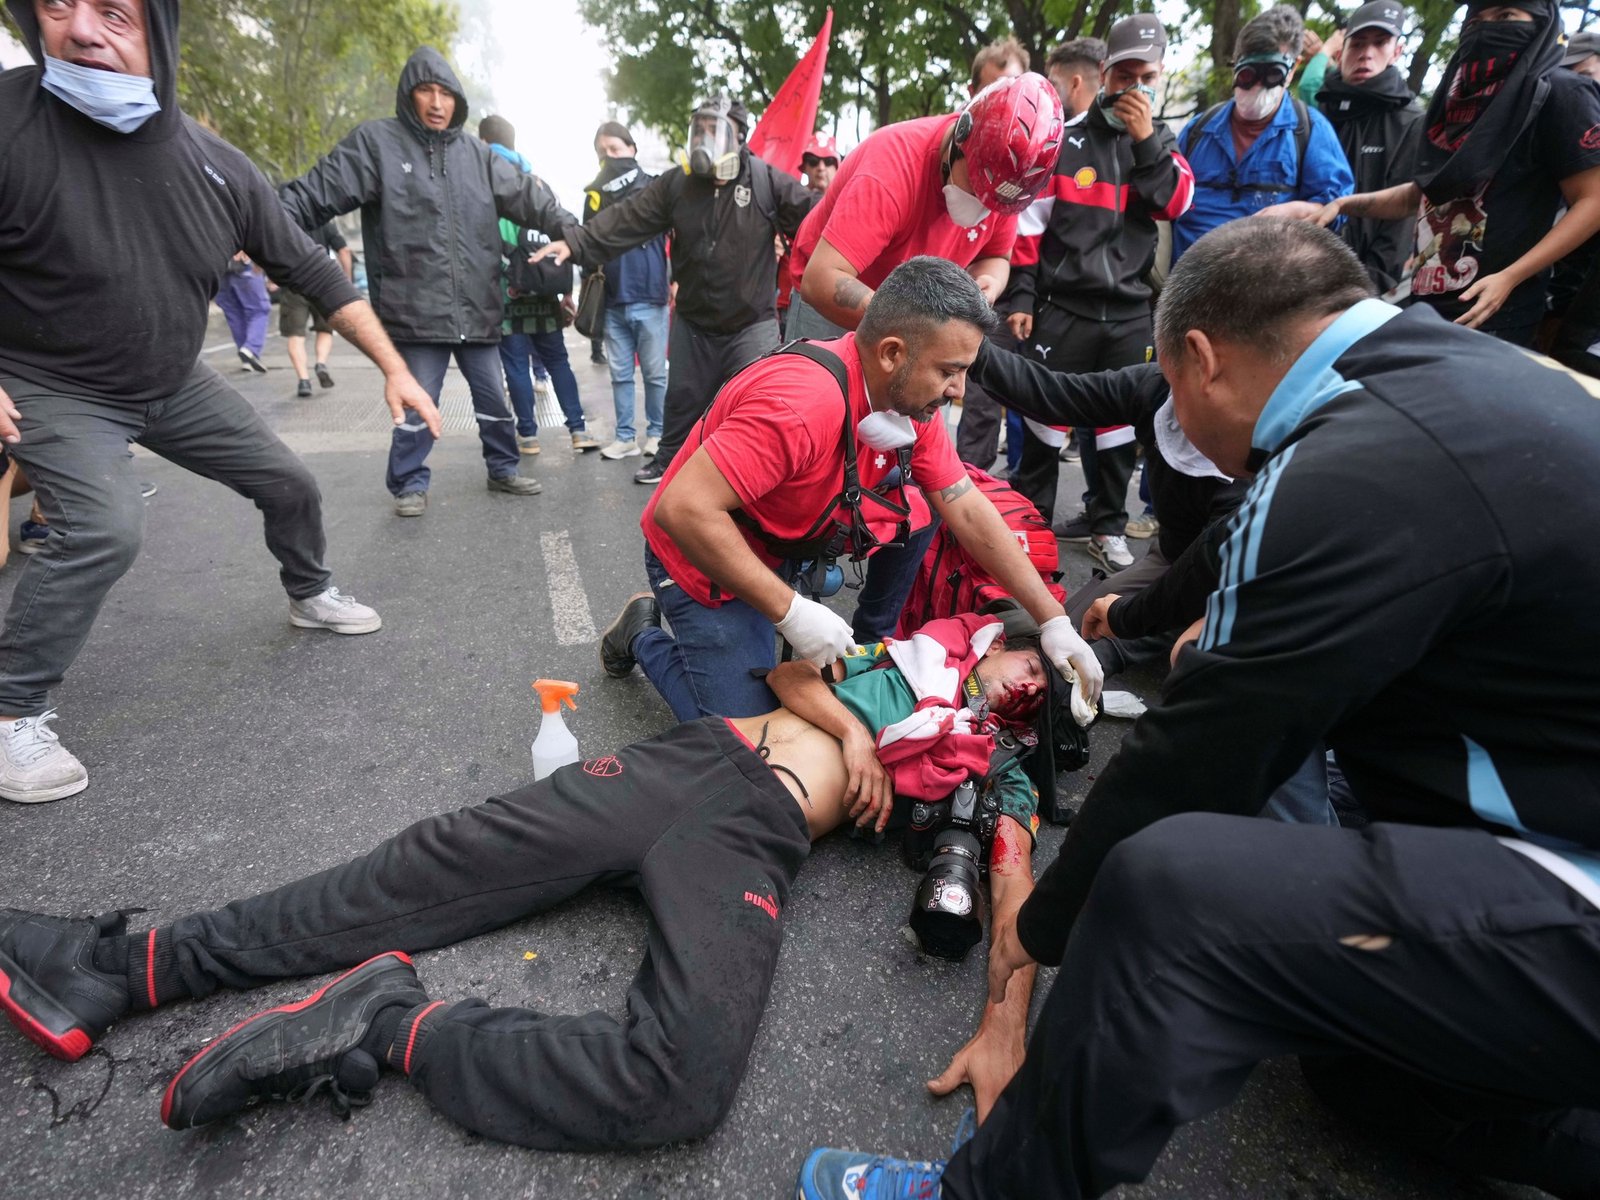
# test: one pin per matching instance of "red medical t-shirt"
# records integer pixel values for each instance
(773, 432)
(886, 205)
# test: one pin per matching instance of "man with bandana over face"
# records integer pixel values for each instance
(1508, 139)
(1261, 148)
(118, 215)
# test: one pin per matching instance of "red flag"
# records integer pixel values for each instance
(787, 125)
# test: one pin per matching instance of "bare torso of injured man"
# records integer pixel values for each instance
(709, 822)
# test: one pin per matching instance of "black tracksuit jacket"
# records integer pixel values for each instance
(1185, 505)
(1379, 124)
(1397, 586)
(1098, 216)
(431, 204)
(723, 256)
(112, 244)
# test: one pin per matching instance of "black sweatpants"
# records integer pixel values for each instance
(700, 363)
(693, 820)
(1073, 345)
(1210, 942)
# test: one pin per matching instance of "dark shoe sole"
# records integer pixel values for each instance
(198, 1064)
(38, 1017)
(620, 665)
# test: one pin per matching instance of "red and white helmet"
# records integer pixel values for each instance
(1010, 135)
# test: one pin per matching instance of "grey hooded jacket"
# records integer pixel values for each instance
(430, 207)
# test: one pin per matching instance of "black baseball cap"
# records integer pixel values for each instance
(1379, 14)
(1141, 36)
(1580, 46)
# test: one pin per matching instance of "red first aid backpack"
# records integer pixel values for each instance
(950, 581)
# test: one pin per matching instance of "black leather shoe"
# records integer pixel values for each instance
(650, 473)
(616, 647)
(48, 985)
(296, 1051)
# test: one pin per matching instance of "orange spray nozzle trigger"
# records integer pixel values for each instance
(553, 691)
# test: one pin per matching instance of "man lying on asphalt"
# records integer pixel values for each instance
(709, 821)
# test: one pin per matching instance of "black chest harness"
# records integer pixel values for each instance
(841, 529)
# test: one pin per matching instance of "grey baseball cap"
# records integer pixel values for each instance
(1380, 14)
(1140, 36)
(1580, 46)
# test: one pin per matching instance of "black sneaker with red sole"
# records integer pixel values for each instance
(49, 988)
(295, 1051)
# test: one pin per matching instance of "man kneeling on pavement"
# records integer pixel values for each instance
(709, 821)
(1434, 970)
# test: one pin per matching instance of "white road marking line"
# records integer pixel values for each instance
(568, 601)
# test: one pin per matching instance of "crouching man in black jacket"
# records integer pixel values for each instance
(1433, 970)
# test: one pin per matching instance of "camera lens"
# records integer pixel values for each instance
(944, 914)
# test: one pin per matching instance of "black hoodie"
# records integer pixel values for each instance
(1379, 124)
(431, 203)
(112, 245)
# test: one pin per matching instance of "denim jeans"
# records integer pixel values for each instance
(428, 361)
(1302, 799)
(637, 329)
(890, 574)
(517, 351)
(702, 668)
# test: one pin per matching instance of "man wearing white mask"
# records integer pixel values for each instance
(950, 186)
(789, 467)
(118, 215)
(1255, 151)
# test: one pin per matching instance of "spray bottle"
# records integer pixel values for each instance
(554, 746)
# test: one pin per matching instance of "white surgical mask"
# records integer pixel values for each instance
(886, 430)
(965, 209)
(1257, 104)
(119, 102)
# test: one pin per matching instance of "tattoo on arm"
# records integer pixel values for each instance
(959, 488)
(851, 294)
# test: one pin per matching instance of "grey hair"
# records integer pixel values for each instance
(920, 295)
(1279, 30)
(1252, 280)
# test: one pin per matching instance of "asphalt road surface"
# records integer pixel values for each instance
(229, 753)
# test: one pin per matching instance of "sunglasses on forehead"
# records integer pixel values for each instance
(1267, 74)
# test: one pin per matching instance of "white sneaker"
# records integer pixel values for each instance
(334, 610)
(1110, 551)
(541, 389)
(650, 445)
(621, 450)
(34, 766)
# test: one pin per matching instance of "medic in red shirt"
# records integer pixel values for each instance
(948, 186)
(766, 472)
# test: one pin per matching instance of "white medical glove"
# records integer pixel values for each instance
(1071, 654)
(817, 633)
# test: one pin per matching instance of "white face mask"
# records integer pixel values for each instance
(886, 430)
(119, 102)
(965, 209)
(1257, 104)
(1178, 451)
